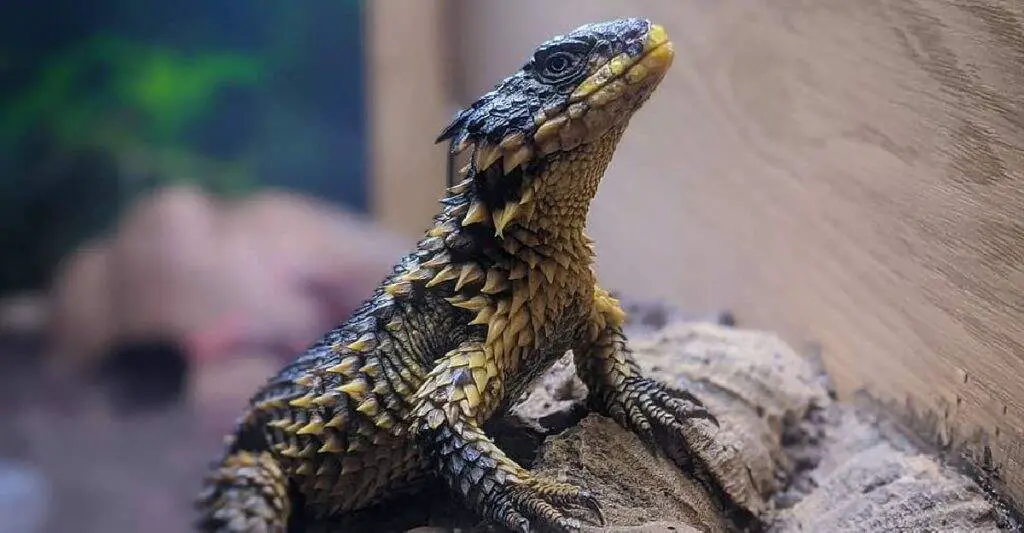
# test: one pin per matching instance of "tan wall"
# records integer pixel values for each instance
(849, 172)
(409, 102)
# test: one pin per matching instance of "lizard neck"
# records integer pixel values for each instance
(520, 263)
(548, 241)
(530, 239)
(562, 191)
(566, 184)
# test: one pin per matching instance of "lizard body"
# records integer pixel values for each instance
(497, 290)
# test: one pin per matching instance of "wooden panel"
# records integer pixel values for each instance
(408, 104)
(843, 172)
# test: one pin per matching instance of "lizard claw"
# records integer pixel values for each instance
(568, 524)
(589, 501)
(534, 505)
(653, 407)
(659, 414)
(684, 404)
(662, 416)
(572, 495)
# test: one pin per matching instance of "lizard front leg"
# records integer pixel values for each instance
(656, 412)
(450, 408)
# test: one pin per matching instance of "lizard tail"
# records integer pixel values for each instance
(247, 491)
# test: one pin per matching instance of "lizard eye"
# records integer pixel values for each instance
(558, 63)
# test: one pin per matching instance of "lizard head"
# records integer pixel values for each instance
(576, 91)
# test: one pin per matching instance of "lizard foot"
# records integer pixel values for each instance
(657, 413)
(537, 504)
(662, 416)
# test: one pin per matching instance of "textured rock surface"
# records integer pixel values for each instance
(757, 386)
(865, 481)
(790, 453)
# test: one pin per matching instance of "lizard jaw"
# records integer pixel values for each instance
(651, 64)
(609, 96)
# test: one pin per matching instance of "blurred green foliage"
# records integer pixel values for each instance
(135, 102)
(104, 101)
(165, 87)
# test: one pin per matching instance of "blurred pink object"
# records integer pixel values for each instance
(266, 275)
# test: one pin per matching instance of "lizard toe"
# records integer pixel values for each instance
(543, 502)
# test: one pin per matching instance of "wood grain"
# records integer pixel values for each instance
(849, 173)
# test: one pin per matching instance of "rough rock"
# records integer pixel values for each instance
(866, 479)
(790, 453)
(755, 384)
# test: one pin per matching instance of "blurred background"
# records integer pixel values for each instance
(191, 192)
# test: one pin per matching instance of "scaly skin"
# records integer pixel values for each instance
(497, 290)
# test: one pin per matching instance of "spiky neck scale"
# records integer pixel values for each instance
(509, 246)
(535, 213)
(540, 142)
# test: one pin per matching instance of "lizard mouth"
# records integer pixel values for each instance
(648, 66)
